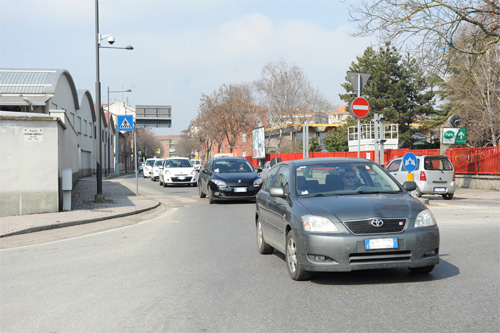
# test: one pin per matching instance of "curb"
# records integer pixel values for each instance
(73, 223)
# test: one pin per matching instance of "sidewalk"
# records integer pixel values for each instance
(119, 201)
(122, 201)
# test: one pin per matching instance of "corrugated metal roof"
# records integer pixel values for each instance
(29, 81)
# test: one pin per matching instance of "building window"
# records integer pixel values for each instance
(243, 137)
(244, 153)
(79, 125)
(84, 127)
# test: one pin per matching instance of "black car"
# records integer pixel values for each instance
(340, 214)
(229, 179)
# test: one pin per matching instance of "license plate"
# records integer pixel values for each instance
(381, 243)
(182, 178)
(440, 189)
(240, 189)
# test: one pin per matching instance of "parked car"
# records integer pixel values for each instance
(196, 163)
(148, 167)
(177, 170)
(434, 174)
(343, 214)
(268, 165)
(140, 166)
(155, 174)
(228, 178)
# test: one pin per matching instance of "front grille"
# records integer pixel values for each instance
(364, 227)
(188, 179)
(379, 257)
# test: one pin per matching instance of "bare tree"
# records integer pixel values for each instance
(474, 93)
(431, 26)
(234, 109)
(147, 143)
(288, 95)
(187, 145)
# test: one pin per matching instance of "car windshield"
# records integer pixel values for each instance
(343, 179)
(228, 166)
(158, 162)
(178, 163)
(150, 162)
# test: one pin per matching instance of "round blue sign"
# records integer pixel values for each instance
(410, 162)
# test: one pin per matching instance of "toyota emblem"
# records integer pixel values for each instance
(377, 223)
(239, 181)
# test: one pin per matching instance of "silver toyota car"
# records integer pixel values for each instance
(343, 214)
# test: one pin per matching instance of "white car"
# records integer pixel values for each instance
(433, 174)
(148, 167)
(178, 170)
(156, 169)
(196, 163)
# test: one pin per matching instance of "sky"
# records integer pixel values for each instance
(182, 48)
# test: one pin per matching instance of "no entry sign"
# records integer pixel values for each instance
(359, 107)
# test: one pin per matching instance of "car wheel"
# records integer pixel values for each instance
(211, 199)
(263, 247)
(164, 184)
(200, 191)
(292, 260)
(448, 196)
(416, 193)
(421, 270)
(160, 182)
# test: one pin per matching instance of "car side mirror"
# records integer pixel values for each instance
(277, 192)
(204, 171)
(259, 170)
(410, 186)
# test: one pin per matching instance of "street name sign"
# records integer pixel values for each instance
(410, 162)
(359, 107)
(126, 123)
(454, 136)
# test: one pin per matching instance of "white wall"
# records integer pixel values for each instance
(29, 168)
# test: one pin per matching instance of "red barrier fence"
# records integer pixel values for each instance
(482, 160)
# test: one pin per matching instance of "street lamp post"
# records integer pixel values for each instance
(99, 196)
(117, 134)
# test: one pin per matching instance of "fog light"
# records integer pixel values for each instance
(319, 258)
(217, 193)
(430, 253)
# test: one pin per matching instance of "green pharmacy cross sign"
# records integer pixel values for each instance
(454, 136)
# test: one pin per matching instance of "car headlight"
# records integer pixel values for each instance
(318, 224)
(425, 219)
(257, 182)
(219, 183)
(193, 172)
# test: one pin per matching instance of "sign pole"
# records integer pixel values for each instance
(359, 119)
(135, 160)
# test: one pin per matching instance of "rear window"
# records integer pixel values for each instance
(437, 163)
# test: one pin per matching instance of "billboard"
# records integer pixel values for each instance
(259, 143)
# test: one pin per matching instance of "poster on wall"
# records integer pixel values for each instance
(259, 143)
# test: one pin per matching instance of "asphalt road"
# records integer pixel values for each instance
(194, 267)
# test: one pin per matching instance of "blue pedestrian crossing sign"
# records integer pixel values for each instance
(410, 162)
(125, 123)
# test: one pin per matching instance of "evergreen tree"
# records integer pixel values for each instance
(398, 88)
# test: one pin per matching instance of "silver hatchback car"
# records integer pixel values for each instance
(434, 174)
(343, 214)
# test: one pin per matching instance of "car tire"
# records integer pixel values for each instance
(200, 191)
(448, 196)
(421, 270)
(416, 193)
(263, 247)
(210, 194)
(160, 182)
(293, 265)
(164, 184)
